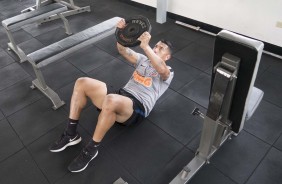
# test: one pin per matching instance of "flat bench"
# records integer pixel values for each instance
(64, 47)
(31, 17)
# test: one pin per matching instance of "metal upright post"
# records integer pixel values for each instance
(161, 11)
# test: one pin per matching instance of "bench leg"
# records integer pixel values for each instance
(39, 3)
(65, 14)
(66, 23)
(13, 46)
(71, 5)
(40, 84)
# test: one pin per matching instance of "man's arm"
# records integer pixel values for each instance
(127, 53)
(156, 61)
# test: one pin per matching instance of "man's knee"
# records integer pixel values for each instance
(89, 82)
(110, 102)
(81, 81)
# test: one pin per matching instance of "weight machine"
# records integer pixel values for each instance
(233, 97)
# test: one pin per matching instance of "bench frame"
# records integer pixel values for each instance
(73, 9)
(12, 44)
(40, 83)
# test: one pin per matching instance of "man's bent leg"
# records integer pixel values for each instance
(115, 108)
(83, 88)
(86, 87)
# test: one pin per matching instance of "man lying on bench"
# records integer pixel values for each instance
(128, 105)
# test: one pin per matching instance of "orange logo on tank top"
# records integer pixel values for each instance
(145, 81)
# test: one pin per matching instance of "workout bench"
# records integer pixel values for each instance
(233, 97)
(31, 17)
(55, 51)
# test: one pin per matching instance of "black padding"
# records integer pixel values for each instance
(248, 57)
(28, 15)
(71, 41)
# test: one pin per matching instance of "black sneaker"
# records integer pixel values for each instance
(82, 160)
(65, 141)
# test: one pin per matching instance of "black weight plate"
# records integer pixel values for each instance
(135, 27)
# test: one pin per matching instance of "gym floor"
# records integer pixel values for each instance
(152, 152)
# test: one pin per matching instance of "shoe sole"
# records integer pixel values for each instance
(86, 164)
(69, 144)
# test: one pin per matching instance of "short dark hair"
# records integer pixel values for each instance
(169, 44)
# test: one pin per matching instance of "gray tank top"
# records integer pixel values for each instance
(146, 84)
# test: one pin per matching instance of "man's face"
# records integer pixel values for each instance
(162, 50)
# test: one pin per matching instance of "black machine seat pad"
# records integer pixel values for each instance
(249, 51)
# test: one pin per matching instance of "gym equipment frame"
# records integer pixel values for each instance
(236, 60)
(17, 21)
(62, 48)
(73, 9)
